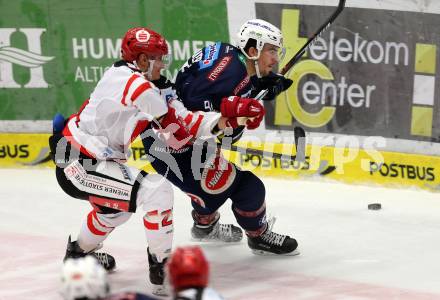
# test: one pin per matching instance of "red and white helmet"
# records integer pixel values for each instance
(188, 267)
(142, 40)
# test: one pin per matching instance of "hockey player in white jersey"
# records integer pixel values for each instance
(90, 149)
(188, 272)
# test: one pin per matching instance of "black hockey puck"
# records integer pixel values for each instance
(374, 206)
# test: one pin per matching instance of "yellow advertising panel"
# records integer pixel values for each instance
(355, 166)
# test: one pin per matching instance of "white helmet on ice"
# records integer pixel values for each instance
(262, 32)
(83, 278)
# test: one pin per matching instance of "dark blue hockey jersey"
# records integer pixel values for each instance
(212, 73)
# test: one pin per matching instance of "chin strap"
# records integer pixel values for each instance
(149, 72)
(255, 59)
(257, 69)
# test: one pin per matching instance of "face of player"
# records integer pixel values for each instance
(158, 65)
(268, 59)
(145, 62)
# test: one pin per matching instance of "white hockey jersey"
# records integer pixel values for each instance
(120, 108)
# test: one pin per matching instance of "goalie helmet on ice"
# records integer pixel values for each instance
(83, 278)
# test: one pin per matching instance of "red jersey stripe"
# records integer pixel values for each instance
(127, 87)
(150, 225)
(80, 111)
(68, 135)
(97, 220)
(196, 126)
(92, 227)
(140, 126)
(140, 89)
(188, 119)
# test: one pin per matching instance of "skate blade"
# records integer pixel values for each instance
(159, 290)
(267, 253)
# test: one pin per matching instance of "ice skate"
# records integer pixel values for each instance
(74, 251)
(270, 243)
(216, 232)
(157, 276)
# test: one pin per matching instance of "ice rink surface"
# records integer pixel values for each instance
(347, 251)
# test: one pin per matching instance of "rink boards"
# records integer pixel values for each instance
(354, 166)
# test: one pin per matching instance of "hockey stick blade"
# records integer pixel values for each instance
(300, 143)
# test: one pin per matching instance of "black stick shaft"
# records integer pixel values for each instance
(313, 39)
(251, 151)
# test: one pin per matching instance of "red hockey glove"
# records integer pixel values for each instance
(242, 112)
(250, 123)
(173, 130)
(254, 122)
(235, 106)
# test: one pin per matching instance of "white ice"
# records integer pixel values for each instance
(347, 251)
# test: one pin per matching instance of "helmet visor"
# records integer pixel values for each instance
(167, 60)
(281, 53)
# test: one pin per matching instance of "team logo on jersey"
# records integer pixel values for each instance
(218, 177)
(241, 85)
(219, 68)
(30, 58)
(142, 36)
(210, 54)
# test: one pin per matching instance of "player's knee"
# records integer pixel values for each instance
(259, 187)
(251, 193)
(113, 220)
(155, 193)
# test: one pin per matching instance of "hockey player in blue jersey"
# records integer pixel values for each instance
(223, 78)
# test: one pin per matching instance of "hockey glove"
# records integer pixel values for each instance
(274, 83)
(172, 130)
(242, 111)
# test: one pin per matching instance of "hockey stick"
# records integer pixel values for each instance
(252, 151)
(314, 38)
(299, 132)
(308, 44)
(323, 168)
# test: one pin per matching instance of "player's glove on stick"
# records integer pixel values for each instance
(274, 83)
(242, 111)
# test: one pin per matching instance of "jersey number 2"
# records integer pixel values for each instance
(166, 219)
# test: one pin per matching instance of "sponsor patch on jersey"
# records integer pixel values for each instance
(241, 85)
(219, 68)
(229, 49)
(210, 55)
(218, 177)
